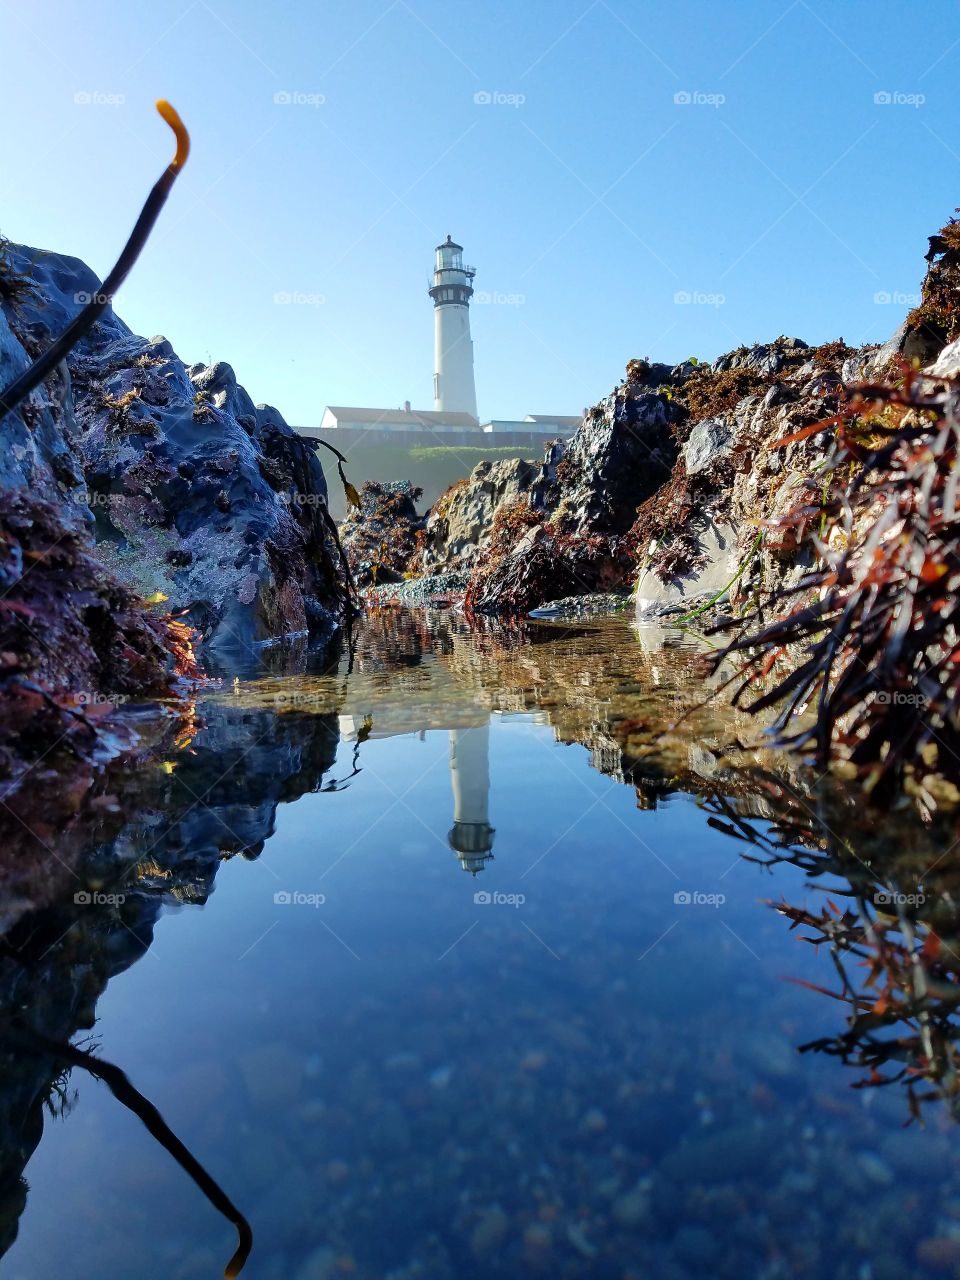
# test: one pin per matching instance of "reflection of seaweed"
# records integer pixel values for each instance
(31, 1041)
(901, 1028)
(60, 1101)
(897, 975)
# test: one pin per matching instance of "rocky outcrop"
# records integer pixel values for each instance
(576, 536)
(382, 534)
(459, 524)
(190, 491)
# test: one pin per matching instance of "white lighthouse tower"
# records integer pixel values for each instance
(471, 835)
(454, 390)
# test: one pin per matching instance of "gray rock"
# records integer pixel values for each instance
(458, 527)
(947, 363)
(710, 440)
(199, 495)
(718, 562)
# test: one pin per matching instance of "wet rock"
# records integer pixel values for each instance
(705, 570)
(696, 1246)
(633, 1208)
(490, 1232)
(593, 1121)
(875, 1168)
(272, 1073)
(578, 540)
(940, 1253)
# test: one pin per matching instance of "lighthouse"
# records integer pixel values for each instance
(454, 390)
(471, 836)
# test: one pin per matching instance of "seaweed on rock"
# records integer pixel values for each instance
(873, 630)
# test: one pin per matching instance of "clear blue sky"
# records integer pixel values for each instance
(584, 194)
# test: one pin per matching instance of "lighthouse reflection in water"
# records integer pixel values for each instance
(471, 835)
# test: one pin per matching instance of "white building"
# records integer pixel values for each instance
(405, 419)
(454, 389)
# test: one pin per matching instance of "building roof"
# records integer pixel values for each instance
(400, 417)
(551, 418)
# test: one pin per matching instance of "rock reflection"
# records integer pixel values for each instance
(89, 863)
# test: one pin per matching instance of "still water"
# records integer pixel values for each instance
(446, 961)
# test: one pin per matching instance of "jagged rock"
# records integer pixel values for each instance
(709, 441)
(197, 494)
(69, 629)
(763, 358)
(947, 364)
(618, 457)
(459, 523)
(571, 532)
(382, 535)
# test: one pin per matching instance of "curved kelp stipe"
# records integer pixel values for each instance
(35, 1042)
(31, 378)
